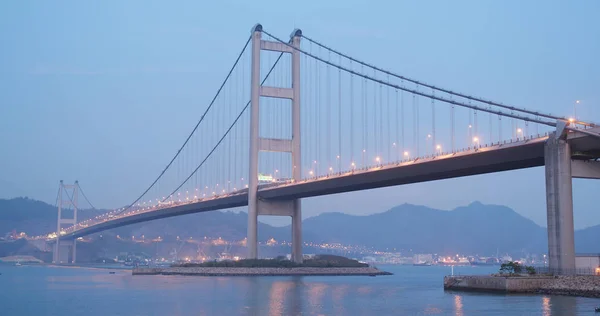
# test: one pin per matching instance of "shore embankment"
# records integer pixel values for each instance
(221, 271)
(576, 285)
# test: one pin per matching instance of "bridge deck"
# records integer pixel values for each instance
(496, 158)
(509, 156)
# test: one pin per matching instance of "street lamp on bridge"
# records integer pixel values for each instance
(476, 141)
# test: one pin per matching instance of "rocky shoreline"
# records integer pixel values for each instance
(581, 285)
(212, 271)
(576, 285)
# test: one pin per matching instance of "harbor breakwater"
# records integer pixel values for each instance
(576, 285)
(304, 271)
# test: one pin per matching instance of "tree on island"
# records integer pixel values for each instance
(512, 268)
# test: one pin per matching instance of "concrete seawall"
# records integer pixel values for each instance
(584, 285)
(496, 284)
(200, 271)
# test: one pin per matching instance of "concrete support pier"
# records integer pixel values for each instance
(559, 202)
(297, 232)
(69, 256)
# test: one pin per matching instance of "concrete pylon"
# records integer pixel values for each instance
(72, 201)
(559, 203)
(257, 206)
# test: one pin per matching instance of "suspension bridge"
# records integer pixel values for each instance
(296, 118)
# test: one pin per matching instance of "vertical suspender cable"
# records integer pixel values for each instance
(418, 128)
(329, 110)
(375, 122)
(491, 140)
(397, 138)
(351, 120)
(339, 157)
(388, 127)
(403, 121)
(433, 143)
(452, 127)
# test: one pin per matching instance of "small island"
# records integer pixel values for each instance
(323, 265)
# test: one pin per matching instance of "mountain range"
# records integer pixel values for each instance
(474, 229)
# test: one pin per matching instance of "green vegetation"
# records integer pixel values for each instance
(514, 268)
(319, 261)
(530, 270)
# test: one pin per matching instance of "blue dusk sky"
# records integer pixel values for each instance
(106, 91)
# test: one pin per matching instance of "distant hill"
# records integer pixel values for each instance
(587, 240)
(34, 217)
(475, 229)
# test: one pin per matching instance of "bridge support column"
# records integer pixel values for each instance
(296, 157)
(559, 202)
(56, 252)
(252, 240)
(284, 144)
(74, 251)
(297, 232)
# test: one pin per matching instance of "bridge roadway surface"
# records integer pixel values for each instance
(507, 156)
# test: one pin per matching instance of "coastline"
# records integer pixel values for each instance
(220, 271)
(576, 285)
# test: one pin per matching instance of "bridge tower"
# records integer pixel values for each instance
(256, 205)
(71, 201)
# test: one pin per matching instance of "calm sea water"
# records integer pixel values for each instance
(44, 290)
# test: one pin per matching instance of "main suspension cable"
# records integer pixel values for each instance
(415, 92)
(478, 99)
(195, 128)
(85, 197)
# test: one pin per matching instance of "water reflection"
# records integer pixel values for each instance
(252, 296)
(296, 296)
(278, 295)
(364, 290)
(73, 282)
(409, 292)
(316, 291)
(458, 305)
(339, 293)
(560, 305)
(546, 306)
